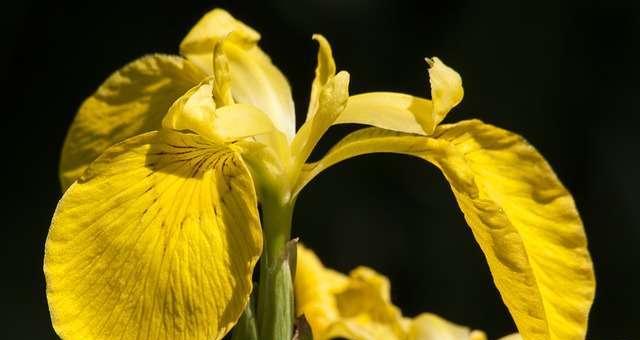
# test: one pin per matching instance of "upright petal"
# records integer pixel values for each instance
(325, 69)
(254, 79)
(212, 28)
(331, 102)
(157, 240)
(131, 101)
(523, 218)
(405, 113)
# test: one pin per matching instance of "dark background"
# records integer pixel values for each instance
(562, 74)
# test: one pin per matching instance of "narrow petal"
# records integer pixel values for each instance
(325, 69)
(331, 102)
(157, 240)
(254, 79)
(522, 217)
(221, 77)
(405, 113)
(131, 101)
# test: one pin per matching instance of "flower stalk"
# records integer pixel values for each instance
(275, 292)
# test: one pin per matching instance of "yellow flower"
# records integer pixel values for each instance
(158, 232)
(358, 307)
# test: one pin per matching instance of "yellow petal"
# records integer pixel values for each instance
(325, 69)
(254, 79)
(131, 101)
(196, 111)
(331, 102)
(221, 77)
(446, 91)
(157, 240)
(315, 287)
(388, 110)
(405, 113)
(355, 307)
(522, 217)
(428, 326)
(211, 29)
(359, 307)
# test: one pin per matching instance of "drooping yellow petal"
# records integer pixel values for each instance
(157, 240)
(359, 307)
(131, 101)
(405, 113)
(522, 217)
(325, 69)
(254, 79)
(331, 102)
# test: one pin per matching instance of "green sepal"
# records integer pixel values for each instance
(246, 328)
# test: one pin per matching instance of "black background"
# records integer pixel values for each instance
(563, 74)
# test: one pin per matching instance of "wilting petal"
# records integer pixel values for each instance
(157, 240)
(131, 101)
(405, 113)
(254, 79)
(522, 217)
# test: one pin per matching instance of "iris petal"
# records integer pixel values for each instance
(157, 240)
(131, 101)
(523, 218)
(254, 79)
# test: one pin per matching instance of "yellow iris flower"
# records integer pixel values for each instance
(158, 232)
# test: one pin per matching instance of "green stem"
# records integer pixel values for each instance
(275, 292)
